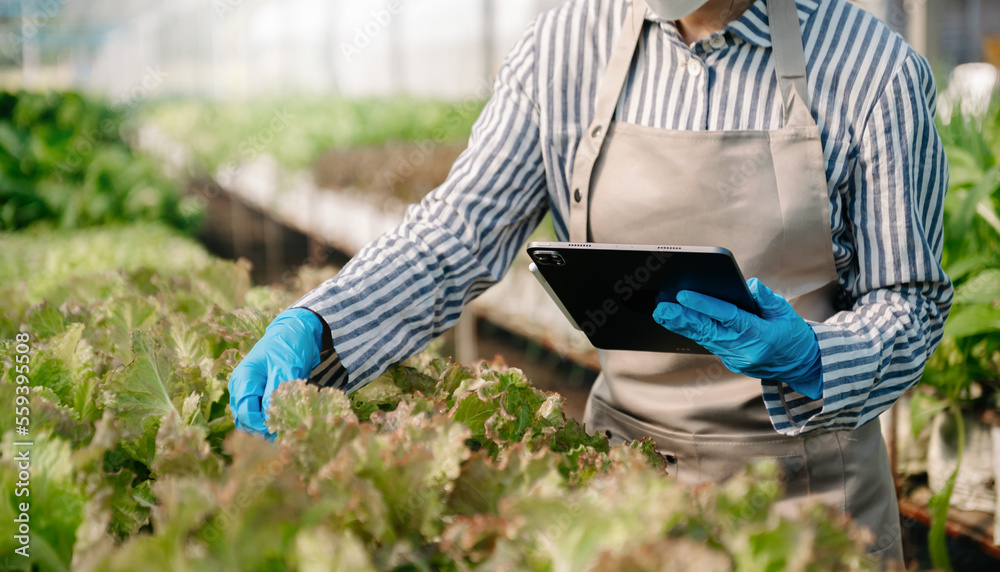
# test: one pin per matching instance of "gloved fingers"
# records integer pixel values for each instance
(301, 332)
(249, 416)
(278, 372)
(690, 323)
(771, 305)
(247, 380)
(725, 313)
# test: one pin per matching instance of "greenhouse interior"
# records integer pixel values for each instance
(268, 299)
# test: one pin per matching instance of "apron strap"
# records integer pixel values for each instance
(790, 68)
(608, 95)
(789, 62)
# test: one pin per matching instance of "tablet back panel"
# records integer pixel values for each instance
(612, 290)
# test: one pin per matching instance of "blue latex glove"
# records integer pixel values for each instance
(288, 350)
(781, 346)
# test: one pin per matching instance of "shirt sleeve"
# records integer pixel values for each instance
(410, 285)
(874, 352)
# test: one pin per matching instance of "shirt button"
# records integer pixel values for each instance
(694, 68)
(717, 42)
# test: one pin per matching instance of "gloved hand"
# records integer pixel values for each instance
(780, 346)
(288, 350)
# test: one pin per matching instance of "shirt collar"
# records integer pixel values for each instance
(753, 26)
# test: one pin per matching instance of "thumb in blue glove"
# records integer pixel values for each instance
(289, 349)
(778, 346)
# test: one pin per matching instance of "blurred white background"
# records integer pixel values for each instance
(248, 48)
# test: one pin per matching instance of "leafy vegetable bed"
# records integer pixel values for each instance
(434, 466)
(296, 130)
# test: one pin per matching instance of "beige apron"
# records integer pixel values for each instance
(763, 195)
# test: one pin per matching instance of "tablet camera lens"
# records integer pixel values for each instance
(549, 258)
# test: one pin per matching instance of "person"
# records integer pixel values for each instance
(799, 134)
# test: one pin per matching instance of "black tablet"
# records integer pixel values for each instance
(609, 291)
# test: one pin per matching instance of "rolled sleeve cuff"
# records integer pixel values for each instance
(792, 413)
(330, 372)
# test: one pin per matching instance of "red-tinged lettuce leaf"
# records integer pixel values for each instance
(223, 366)
(220, 283)
(412, 379)
(455, 382)
(111, 512)
(117, 318)
(483, 542)
(312, 425)
(474, 411)
(184, 505)
(322, 549)
(647, 447)
(241, 329)
(482, 481)
(195, 346)
(260, 507)
(666, 554)
(417, 421)
(394, 484)
(568, 529)
(223, 283)
(43, 321)
(296, 404)
(502, 408)
(147, 389)
(48, 415)
(432, 366)
(381, 394)
(130, 504)
(246, 521)
(520, 407)
(190, 342)
(65, 365)
(182, 449)
(55, 502)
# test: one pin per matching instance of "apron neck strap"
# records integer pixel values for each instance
(789, 61)
(608, 94)
(619, 64)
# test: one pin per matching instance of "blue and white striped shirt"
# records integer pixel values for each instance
(872, 96)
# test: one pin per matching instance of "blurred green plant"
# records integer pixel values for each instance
(296, 130)
(964, 373)
(63, 160)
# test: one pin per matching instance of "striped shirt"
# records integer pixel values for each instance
(872, 96)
